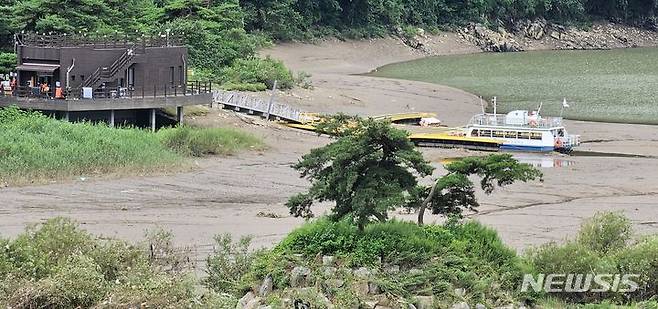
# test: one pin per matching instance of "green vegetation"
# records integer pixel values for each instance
(454, 191)
(604, 245)
(295, 19)
(35, 148)
(443, 258)
(208, 141)
(367, 173)
(372, 168)
(58, 265)
(260, 72)
(7, 62)
(404, 260)
(610, 86)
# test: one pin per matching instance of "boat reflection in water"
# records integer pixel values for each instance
(535, 159)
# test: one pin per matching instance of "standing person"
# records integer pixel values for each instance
(59, 94)
(45, 89)
(13, 85)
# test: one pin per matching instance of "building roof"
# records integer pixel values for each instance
(37, 67)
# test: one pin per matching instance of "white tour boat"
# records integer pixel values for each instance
(523, 131)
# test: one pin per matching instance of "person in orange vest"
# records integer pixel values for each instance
(59, 94)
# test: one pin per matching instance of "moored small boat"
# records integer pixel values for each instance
(523, 131)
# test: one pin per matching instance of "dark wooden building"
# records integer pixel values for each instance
(78, 73)
(102, 62)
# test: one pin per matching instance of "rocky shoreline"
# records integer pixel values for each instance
(542, 35)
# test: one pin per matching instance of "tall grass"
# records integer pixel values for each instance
(36, 148)
(610, 86)
(207, 141)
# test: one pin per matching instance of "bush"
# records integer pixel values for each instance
(198, 142)
(390, 242)
(58, 265)
(228, 264)
(603, 246)
(468, 256)
(259, 72)
(641, 259)
(605, 232)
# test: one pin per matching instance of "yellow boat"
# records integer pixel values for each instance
(301, 126)
(405, 118)
(451, 140)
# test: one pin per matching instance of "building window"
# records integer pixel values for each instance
(181, 73)
(171, 75)
(131, 77)
(72, 78)
(82, 77)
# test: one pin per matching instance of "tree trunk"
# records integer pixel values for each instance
(426, 201)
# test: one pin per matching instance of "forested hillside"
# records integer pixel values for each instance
(220, 32)
(291, 19)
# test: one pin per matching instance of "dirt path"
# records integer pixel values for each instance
(225, 195)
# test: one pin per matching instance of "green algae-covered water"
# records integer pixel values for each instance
(603, 85)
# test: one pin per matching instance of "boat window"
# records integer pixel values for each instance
(535, 135)
(510, 134)
(560, 133)
(524, 135)
(475, 132)
(485, 133)
(498, 134)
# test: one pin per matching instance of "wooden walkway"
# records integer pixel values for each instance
(270, 109)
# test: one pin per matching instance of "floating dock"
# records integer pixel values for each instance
(447, 140)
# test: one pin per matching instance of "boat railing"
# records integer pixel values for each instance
(501, 120)
(569, 141)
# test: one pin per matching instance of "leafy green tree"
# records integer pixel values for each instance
(6, 28)
(367, 173)
(454, 192)
(7, 62)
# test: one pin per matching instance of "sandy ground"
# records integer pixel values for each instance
(225, 195)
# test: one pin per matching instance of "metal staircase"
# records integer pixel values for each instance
(107, 74)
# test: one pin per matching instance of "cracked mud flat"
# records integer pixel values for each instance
(225, 195)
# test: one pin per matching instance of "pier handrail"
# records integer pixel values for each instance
(246, 102)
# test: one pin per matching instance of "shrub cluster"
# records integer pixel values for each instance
(468, 256)
(58, 265)
(257, 74)
(604, 245)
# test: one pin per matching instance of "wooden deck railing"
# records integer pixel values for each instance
(154, 91)
(112, 40)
